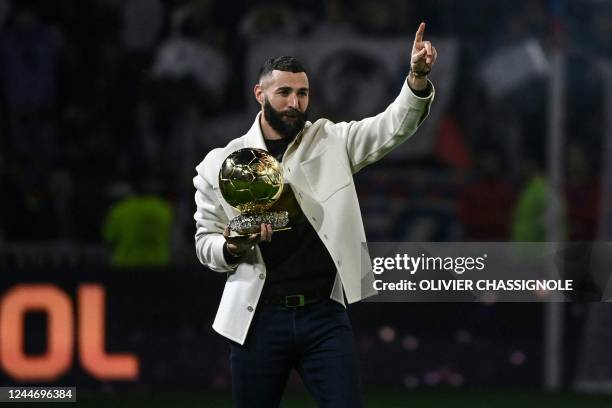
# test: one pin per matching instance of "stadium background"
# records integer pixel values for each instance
(103, 101)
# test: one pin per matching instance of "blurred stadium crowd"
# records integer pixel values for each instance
(104, 98)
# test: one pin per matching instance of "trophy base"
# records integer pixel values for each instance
(246, 224)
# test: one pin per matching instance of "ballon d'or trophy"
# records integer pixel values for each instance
(251, 180)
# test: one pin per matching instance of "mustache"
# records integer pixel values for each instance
(291, 112)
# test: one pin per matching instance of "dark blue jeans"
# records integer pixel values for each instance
(316, 339)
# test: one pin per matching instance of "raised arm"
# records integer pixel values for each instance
(370, 139)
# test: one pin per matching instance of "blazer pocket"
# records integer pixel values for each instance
(325, 175)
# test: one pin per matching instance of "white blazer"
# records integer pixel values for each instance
(318, 165)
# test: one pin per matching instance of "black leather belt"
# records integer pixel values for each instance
(297, 300)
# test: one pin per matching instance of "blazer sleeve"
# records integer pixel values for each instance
(370, 139)
(210, 222)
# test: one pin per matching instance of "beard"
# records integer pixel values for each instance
(287, 129)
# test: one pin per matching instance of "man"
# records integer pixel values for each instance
(283, 302)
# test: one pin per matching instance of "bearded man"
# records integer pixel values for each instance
(283, 305)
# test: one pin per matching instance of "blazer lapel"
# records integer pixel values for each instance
(254, 137)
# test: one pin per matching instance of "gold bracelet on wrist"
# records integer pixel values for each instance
(420, 74)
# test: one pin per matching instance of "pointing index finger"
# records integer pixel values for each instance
(419, 34)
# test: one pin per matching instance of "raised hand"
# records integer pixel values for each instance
(423, 57)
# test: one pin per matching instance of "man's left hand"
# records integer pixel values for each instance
(423, 57)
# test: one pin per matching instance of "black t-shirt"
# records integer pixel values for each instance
(296, 260)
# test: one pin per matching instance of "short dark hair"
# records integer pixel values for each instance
(285, 63)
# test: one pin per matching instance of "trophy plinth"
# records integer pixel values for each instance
(251, 180)
(245, 224)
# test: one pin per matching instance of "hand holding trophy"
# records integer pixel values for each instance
(251, 180)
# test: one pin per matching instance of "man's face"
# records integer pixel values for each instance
(284, 99)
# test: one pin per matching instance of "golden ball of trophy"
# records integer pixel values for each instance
(251, 180)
